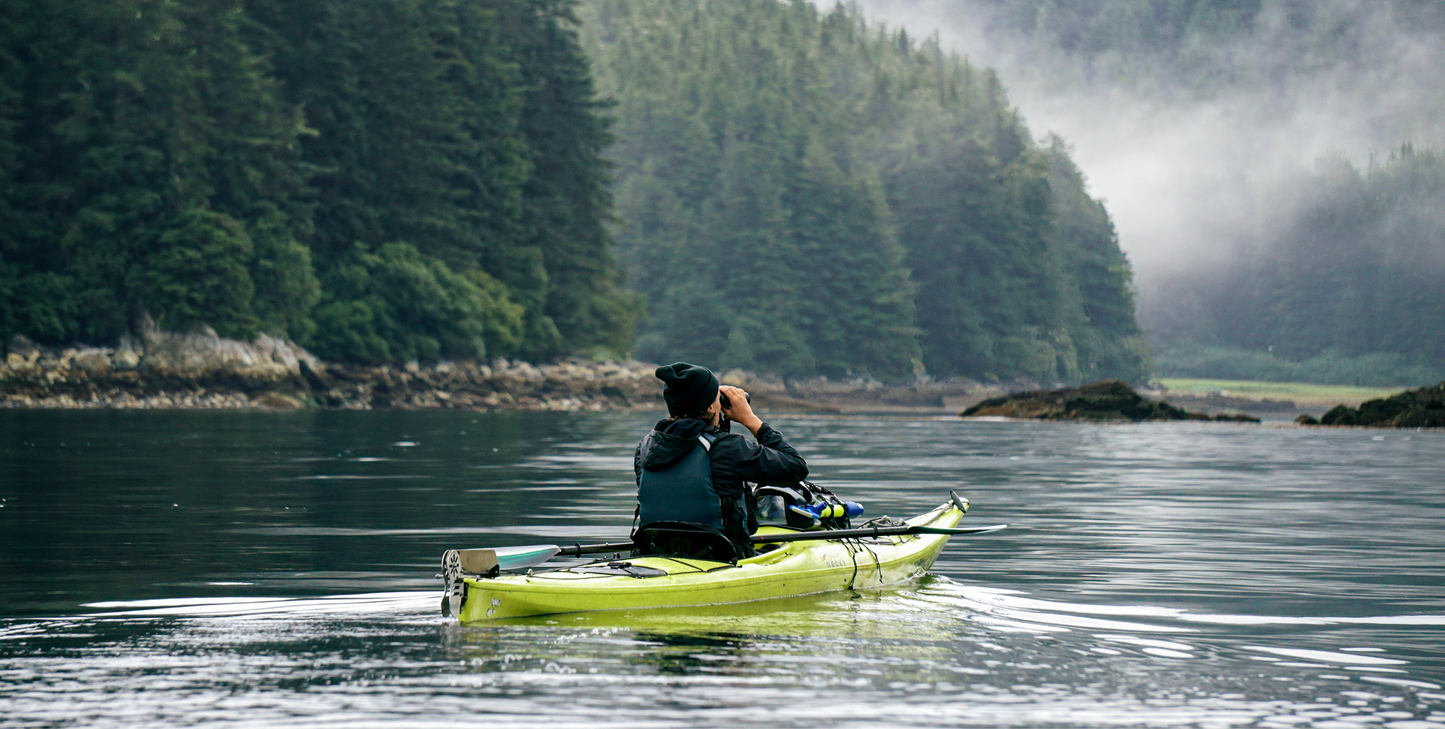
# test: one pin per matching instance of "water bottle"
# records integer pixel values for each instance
(849, 509)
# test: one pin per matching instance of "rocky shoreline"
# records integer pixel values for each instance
(166, 370)
(169, 370)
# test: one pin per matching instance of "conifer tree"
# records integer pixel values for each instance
(888, 202)
(752, 222)
(566, 199)
(140, 125)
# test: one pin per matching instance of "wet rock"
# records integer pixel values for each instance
(204, 352)
(125, 359)
(96, 361)
(1234, 418)
(1108, 400)
(1340, 415)
(1306, 419)
(21, 353)
(277, 401)
(1420, 408)
(22, 346)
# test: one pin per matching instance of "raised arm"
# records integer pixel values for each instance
(771, 460)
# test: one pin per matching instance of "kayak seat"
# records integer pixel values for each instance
(678, 539)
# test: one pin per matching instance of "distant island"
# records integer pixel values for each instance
(1116, 401)
(1108, 400)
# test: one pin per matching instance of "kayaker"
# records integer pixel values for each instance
(692, 473)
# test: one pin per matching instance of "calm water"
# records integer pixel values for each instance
(251, 569)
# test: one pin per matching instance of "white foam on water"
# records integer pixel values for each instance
(1008, 606)
(1283, 620)
(1166, 644)
(1020, 607)
(1326, 656)
(179, 601)
(1401, 682)
(1166, 653)
(260, 607)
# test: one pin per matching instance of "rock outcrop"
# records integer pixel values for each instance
(1422, 408)
(1108, 400)
(203, 370)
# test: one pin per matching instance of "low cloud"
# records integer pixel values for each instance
(1192, 168)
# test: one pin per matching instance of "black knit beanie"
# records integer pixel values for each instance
(687, 388)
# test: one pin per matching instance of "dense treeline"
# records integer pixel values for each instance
(1347, 289)
(380, 180)
(802, 192)
(384, 180)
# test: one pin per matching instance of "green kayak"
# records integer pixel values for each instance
(787, 569)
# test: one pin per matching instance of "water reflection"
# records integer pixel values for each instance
(276, 570)
(940, 654)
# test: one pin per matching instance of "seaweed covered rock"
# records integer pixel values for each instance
(1107, 400)
(1422, 408)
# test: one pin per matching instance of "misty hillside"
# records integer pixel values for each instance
(1251, 153)
(1176, 50)
(1203, 47)
(1348, 288)
(802, 191)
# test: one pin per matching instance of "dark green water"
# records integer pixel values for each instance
(252, 569)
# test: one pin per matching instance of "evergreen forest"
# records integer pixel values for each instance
(758, 184)
(803, 192)
(380, 180)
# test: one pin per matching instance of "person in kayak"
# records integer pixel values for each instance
(693, 497)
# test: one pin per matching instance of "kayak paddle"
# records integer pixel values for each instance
(490, 561)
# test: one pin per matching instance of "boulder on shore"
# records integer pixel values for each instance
(1422, 408)
(1107, 400)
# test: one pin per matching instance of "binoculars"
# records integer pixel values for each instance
(727, 405)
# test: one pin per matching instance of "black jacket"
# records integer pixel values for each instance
(734, 460)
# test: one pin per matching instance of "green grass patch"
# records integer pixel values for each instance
(1297, 391)
(1377, 370)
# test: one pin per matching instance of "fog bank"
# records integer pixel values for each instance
(1186, 138)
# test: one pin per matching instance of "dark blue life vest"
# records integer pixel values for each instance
(678, 509)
